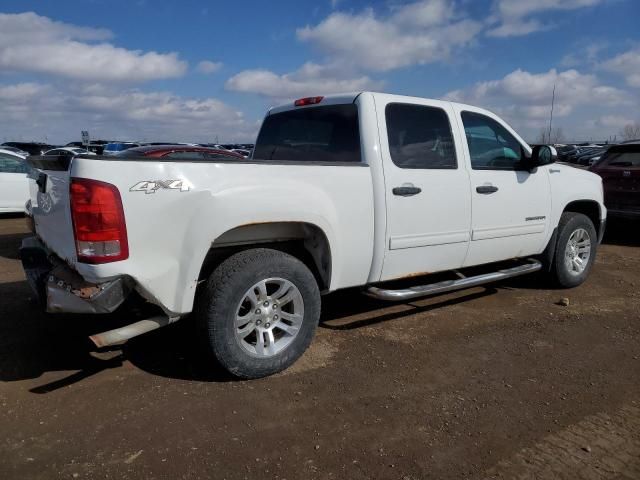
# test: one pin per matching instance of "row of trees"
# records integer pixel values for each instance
(630, 131)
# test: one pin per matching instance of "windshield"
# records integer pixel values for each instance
(623, 158)
(321, 134)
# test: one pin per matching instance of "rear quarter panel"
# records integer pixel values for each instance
(170, 231)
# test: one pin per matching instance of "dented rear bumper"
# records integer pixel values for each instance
(61, 289)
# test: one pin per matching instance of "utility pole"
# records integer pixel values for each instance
(553, 101)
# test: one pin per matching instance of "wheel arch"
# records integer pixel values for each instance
(303, 240)
(590, 208)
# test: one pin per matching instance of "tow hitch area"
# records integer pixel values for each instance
(61, 289)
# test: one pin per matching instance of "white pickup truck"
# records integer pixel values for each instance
(350, 190)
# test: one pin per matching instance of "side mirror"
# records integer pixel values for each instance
(543, 155)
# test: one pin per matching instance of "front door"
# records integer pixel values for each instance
(511, 205)
(427, 188)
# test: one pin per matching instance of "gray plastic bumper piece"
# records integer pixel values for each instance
(62, 289)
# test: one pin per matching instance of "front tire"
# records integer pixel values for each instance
(575, 250)
(258, 312)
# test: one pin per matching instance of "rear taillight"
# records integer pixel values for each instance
(98, 221)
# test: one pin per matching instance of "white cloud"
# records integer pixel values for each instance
(207, 67)
(21, 91)
(534, 89)
(514, 16)
(585, 55)
(418, 33)
(626, 64)
(37, 44)
(524, 98)
(310, 79)
(614, 121)
(59, 112)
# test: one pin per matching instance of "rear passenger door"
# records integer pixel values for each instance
(427, 188)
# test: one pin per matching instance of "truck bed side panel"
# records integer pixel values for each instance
(170, 230)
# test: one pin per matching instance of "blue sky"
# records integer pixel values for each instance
(196, 70)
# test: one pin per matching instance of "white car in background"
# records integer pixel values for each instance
(68, 151)
(14, 185)
(15, 150)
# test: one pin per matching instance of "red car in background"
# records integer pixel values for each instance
(619, 168)
(186, 152)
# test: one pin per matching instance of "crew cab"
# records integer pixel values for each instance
(351, 190)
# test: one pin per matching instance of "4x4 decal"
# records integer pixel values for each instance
(150, 186)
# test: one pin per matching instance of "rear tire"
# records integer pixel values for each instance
(258, 312)
(575, 250)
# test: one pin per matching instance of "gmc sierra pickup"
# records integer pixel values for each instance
(341, 191)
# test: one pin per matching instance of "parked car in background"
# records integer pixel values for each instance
(186, 152)
(33, 148)
(96, 146)
(114, 148)
(619, 168)
(592, 158)
(14, 185)
(69, 151)
(588, 157)
(564, 151)
(15, 150)
(241, 151)
(213, 145)
(581, 150)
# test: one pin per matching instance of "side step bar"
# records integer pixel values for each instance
(452, 285)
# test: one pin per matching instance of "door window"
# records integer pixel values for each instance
(420, 137)
(491, 146)
(10, 164)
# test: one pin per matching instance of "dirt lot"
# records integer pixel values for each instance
(498, 382)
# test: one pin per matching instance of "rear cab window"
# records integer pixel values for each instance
(328, 133)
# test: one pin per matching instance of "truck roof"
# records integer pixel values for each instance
(349, 97)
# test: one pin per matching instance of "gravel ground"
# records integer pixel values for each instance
(498, 382)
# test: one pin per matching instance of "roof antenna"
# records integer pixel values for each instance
(553, 100)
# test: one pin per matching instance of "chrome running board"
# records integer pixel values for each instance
(450, 285)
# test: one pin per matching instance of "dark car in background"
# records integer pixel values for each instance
(186, 152)
(619, 168)
(32, 148)
(564, 151)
